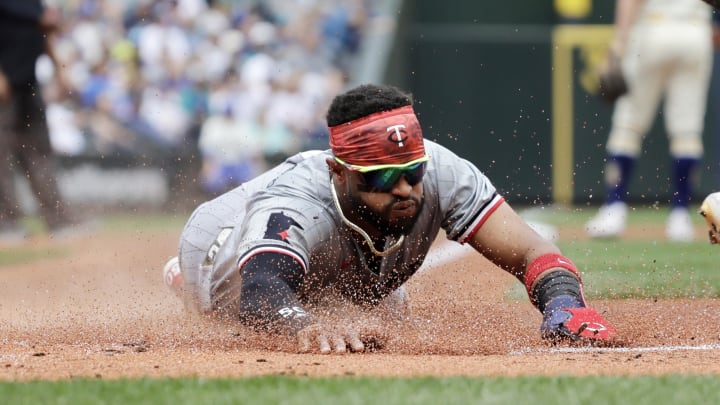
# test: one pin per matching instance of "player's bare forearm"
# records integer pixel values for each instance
(509, 242)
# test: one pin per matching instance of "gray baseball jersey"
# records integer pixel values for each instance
(290, 210)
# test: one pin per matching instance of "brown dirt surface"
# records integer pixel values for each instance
(95, 306)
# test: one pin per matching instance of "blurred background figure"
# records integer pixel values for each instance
(666, 52)
(231, 152)
(27, 29)
(145, 80)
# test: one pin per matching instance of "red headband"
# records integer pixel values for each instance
(391, 137)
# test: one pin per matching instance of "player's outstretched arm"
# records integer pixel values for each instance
(552, 281)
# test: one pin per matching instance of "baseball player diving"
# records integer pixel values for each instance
(355, 222)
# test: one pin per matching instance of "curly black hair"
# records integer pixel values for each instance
(365, 100)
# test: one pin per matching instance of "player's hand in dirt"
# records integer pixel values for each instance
(565, 319)
(327, 339)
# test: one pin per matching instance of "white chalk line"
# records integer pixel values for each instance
(581, 350)
(446, 251)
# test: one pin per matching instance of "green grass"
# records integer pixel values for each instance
(145, 222)
(651, 267)
(647, 269)
(611, 269)
(676, 390)
(21, 255)
(577, 216)
(119, 223)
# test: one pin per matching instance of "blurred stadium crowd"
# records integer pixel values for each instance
(241, 83)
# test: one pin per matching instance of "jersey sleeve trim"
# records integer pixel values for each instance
(271, 249)
(482, 216)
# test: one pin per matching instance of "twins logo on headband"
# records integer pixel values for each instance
(386, 138)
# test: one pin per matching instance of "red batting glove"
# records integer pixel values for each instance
(577, 324)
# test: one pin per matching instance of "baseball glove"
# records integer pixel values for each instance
(612, 83)
(710, 210)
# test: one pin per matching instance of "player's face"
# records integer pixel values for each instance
(392, 212)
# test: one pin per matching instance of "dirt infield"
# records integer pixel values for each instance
(96, 307)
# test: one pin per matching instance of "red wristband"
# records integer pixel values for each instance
(544, 263)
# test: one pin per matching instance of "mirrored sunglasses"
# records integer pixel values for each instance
(383, 180)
